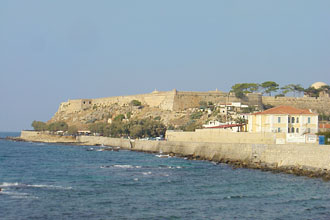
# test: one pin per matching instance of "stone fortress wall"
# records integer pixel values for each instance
(320, 105)
(179, 100)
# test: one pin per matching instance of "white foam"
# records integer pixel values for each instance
(123, 166)
(4, 184)
(48, 186)
(147, 173)
(163, 155)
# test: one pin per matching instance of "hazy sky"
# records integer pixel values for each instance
(52, 51)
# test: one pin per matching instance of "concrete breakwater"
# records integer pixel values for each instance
(300, 159)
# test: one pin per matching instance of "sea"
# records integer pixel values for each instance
(52, 181)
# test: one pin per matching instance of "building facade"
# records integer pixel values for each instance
(284, 119)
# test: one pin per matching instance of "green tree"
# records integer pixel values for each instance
(39, 126)
(287, 89)
(269, 87)
(312, 92)
(58, 126)
(298, 88)
(72, 130)
(240, 89)
(253, 87)
(97, 127)
(295, 88)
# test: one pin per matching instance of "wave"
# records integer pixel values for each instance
(4, 184)
(124, 166)
(49, 186)
(18, 195)
(16, 184)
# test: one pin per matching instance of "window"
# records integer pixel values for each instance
(278, 130)
(292, 130)
(297, 130)
(84, 102)
(289, 119)
(292, 120)
(279, 120)
(288, 130)
(297, 119)
(308, 130)
(309, 120)
(90, 102)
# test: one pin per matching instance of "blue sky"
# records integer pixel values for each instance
(52, 51)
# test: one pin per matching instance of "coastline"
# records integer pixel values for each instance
(298, 159)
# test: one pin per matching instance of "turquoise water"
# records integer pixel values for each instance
(48, 181)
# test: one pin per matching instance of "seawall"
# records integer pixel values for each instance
(301, 159)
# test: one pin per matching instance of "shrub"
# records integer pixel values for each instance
(119, 117)
(136, 102)
(196, 115)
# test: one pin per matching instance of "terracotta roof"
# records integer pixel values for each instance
(285, 110)
(324, 125)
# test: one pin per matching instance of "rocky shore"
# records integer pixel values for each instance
(302, 160)
(274, 168)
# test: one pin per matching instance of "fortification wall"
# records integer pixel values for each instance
(178, 101)
(321, 105)
(185, 100)
(170, 100)
(163, 100)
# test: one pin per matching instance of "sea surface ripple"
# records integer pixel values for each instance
(49, 181)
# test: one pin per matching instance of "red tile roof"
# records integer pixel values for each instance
(324, 125)
(285, 110)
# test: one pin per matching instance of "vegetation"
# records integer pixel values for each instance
(202, 105)
(249, 109)
(55, 126)
(157, 118)
(134, 129)
(73, 130)
(119, 117)
(39, 126)
(326, 135)
(312, 92)
(295, 88)
(136, 102)
(192, 125)
(324, 117)
(269, 87)
(240, 89)
(196, 115)
(58, 126)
